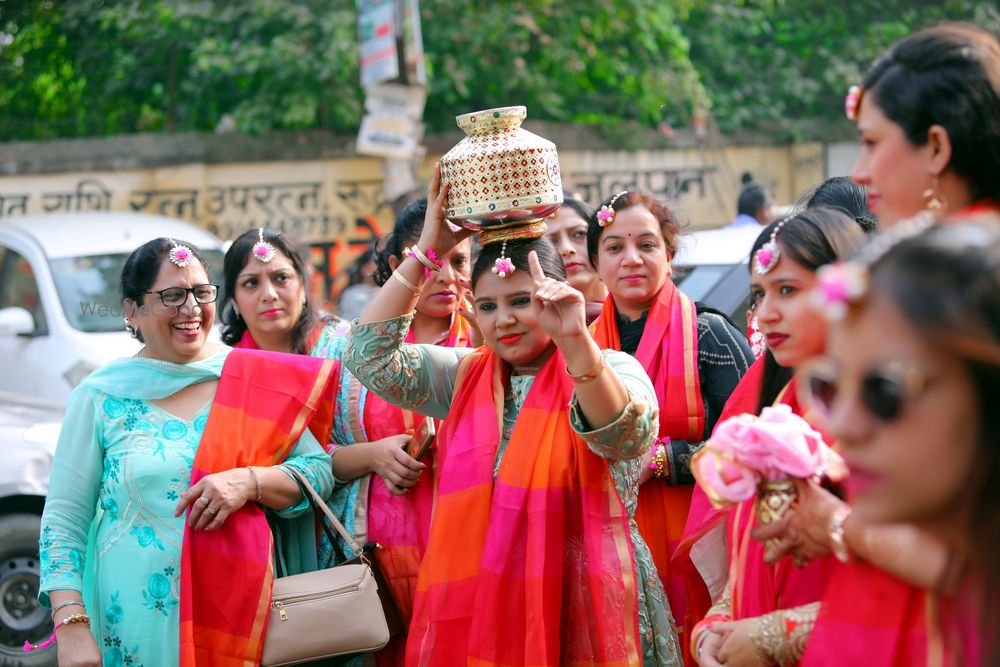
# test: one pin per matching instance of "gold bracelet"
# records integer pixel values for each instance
(256, 481)
(589, 376)
(66, 603)
(418, 254)
(75, 618)
(659, 462)
(406, 283)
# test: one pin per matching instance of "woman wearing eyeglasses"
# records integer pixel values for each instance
(171, 455)
(765, 611)
(906, 387)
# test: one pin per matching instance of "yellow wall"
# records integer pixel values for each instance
(337, 205)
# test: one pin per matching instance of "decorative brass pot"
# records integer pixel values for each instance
(500, 175)
(775, 499)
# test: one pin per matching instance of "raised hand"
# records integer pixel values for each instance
(437, 233)
(558, 307)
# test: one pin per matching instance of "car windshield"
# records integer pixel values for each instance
(698, 281)
(88, 288)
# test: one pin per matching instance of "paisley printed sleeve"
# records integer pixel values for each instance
(74, 486)
(633, 431)
(309, 459)
(414, 377)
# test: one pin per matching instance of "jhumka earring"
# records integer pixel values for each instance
(262, 250)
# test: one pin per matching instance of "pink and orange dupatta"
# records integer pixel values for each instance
(263, 404)
(534, 567)
(668, 351)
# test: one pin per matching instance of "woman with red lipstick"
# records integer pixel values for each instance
(739, 629)
(533, 557)
(567, 229)
(929, 126)
(694, 356)
(912, 363)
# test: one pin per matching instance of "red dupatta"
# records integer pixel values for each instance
(534, 567)
(668, 351)
(263, 404)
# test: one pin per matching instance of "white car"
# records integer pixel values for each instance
(60, 309)
(29, 429)
(712, 267)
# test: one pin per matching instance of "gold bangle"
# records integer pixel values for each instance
(406, 283)
(415, 252)
(659, 462)
(67, 603)
(589, 376)
(256, 481)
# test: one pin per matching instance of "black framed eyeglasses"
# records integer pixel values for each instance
(173, 297)
(882, 390)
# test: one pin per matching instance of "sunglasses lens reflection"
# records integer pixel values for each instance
(882, 395)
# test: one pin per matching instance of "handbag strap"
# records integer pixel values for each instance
(319, 506)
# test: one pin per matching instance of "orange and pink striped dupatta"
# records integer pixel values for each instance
(534, 567)
(264, 402)
(668, 351)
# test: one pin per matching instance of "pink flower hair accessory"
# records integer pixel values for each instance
(606, 214)
(837, 287)
(502, 266)
(852, 102)
(746, 450)
(181, 255)
(767, 255)
(262, 251)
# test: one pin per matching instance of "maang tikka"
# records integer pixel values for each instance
(768, 255)
(262, 250)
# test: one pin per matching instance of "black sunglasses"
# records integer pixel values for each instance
(883, 390)
(173, 297)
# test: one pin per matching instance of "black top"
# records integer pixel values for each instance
(724, 356)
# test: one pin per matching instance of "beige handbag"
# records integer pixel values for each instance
(333, 612)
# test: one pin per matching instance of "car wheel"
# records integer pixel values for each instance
(21, 617)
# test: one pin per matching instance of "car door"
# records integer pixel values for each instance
(19, 288)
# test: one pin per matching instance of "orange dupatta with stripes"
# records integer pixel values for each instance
(263, 404)
(668, 351)
(534, 567)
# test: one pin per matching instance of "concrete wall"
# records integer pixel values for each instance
(333, 200)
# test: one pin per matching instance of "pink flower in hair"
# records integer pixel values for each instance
(837, 287)
(605, 216)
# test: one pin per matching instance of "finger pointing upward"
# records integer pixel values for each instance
(535, 268)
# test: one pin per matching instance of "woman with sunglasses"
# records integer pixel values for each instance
(913, 363)
(757, 598)
(173, 454)
(930, 132)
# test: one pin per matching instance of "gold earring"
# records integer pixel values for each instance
(934, 201)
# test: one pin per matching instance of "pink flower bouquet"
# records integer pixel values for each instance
(746, 451)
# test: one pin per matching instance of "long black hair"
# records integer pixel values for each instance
(233, 324)
(811, 239)
(404, 233)
(143, 266)
(517, 252)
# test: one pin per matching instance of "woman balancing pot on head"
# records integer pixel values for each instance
(271, 308)
(181, 446)
(694, 356)
(533, 557)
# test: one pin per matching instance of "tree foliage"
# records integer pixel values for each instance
(73, 68)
